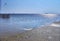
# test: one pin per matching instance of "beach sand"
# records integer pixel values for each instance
(45, 33)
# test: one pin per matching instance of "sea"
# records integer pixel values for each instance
(23, 22)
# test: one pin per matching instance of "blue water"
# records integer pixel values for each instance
(20, 21)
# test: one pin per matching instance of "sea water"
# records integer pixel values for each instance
(20, 22)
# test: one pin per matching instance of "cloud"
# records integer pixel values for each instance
(49, 15)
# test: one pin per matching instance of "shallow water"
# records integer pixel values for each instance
(21, 22)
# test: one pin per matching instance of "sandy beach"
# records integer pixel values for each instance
(45, 33)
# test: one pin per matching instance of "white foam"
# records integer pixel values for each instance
(55, 25)
(50, 15)
(49, 37)
(27, 28)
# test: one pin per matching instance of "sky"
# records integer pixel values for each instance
(30, 6)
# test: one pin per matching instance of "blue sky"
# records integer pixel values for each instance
(30, 6)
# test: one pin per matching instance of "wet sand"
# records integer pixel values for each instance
(45, 33)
